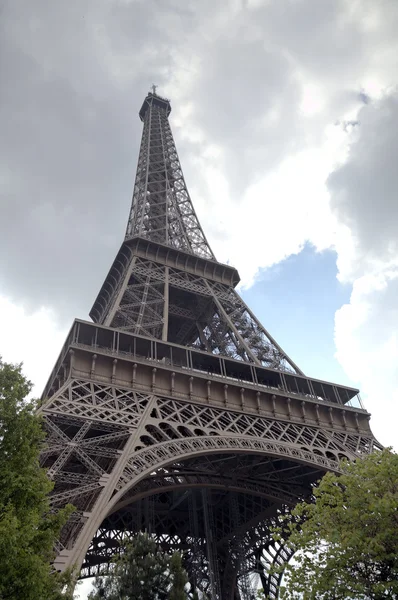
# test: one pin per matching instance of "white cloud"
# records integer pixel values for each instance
(364, 201)
(84, 588)
(312, 101)
(366, 336)
(34, 338)
(262, 83)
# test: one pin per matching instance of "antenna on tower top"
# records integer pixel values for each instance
(154, 88)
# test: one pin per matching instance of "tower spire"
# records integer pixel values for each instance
(161, 208)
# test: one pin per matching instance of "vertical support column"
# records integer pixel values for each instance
(211, 547)
(166, 305)
(99, 510)
(243, 588)
(119, 293)
(196, 563)
(149, 515)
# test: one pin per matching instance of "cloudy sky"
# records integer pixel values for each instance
(285, 117)
(285, 114)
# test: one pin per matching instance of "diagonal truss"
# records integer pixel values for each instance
(162, 209)
(168, 303)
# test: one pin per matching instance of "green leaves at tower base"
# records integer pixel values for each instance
(346, 539)
(28, 529)
(143, 572)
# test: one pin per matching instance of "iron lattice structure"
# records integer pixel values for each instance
(176, 412)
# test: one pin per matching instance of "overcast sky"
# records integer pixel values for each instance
(285, 115)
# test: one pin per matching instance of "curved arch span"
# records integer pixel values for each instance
(199, 485)
(145, 461)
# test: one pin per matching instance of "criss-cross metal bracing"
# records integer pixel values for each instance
(153, 299)
(175, 296)
(176, 412)
(162, 210)
(131, 458)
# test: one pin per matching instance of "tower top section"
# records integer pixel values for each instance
(153, 99)
(161, 209)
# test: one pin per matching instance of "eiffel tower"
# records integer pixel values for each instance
(175, 411)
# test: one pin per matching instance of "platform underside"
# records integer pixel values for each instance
(231, 495)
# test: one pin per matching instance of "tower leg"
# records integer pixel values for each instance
(211, 547)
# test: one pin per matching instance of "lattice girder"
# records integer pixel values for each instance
(161, 207)
(123, 430)
(147, 301)
(107, 441)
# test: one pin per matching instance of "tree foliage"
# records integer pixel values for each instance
(27, 528)
(179, 578)
(346, 540)
(143, 571)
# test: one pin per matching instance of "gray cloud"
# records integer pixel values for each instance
(73, 77)
(364, 189)
(364, 199)
(248, 90)
(70, 136)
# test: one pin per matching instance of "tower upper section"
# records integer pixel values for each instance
(165, 282)
(161, 209)
(153, 99)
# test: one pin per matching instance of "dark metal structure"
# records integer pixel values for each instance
(175, 411)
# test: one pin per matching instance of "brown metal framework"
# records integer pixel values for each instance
(176, 412)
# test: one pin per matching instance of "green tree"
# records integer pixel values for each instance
(27, 528)
(178, 577)
(143, 571)
(346, 540)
